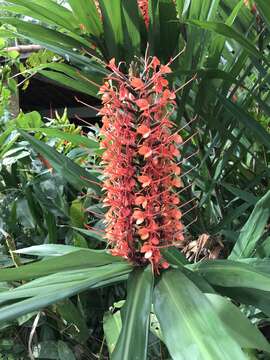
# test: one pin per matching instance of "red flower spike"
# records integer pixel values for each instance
(143, 5)
(140, 167)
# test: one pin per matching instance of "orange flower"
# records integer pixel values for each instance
(176, 169)
(177, 182)
(137, 83)
(177, 139)
(138, 216)
(145, 180)
(141, 200)
(144, 131)
(143, 104)
(165, 69)
(146, 151)
(144, 233)
(176, 214)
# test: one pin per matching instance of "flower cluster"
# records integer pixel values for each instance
(141, 173)
(143, 5)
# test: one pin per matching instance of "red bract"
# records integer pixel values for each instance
(141, 151)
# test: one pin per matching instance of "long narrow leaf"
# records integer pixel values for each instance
(228, 273)
(253, 229)
(99, 277)
(190, 326)
(87, 15)
(69, 170)
(237, 325)
(83, 258)
(133, 339)
(228, 32)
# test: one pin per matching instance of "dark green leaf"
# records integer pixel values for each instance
(133, 339)
(228, 32)
(53, 288)
(80, 259)
(253, 229)
(69, 170)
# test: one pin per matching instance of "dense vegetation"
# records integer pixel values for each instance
(62, 294)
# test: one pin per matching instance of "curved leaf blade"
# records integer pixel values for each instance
(228, 273)
(133, 339)
(252, 230)
(83, 258)
(53, 288)
(190, 326)
(87, 15)
(69, 170)
(228, 32)
(237, 325)
(50, 11)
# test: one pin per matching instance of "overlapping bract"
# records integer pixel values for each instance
(142, 176)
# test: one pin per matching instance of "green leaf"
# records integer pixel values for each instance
(228, 32)
(77, 213)
(131, 27)
(87, 81)
(75, 139)
(42, 34)
(237, 325)
(53, 288)
(48, 10)
(83, 258)
(112, 325)
(133, 339)
(66, 280)
(264, 9)
(76, 322)
(69, 82)
(174, 256)
(64, 351)
(70, 171)
(87, 15)
(50, 221)
(190, 326)
(64, 45)
(91, 233)
(252, 230)
(254, 127)
(29, 120)
(113, 28)
(180, 7)
(169, 30)
(47, 250)
(46, 350)
(154, 26)
(228, 273)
